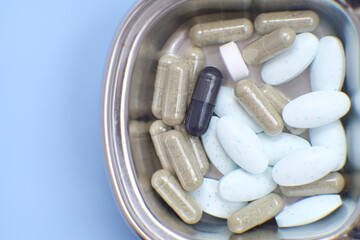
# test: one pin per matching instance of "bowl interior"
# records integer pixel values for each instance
(163, 28)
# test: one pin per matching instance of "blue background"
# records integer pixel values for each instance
(53, 181)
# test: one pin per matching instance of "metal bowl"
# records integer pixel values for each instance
(155, 27)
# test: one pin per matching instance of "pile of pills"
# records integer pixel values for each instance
(252, 134)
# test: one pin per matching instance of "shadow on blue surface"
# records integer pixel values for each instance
(53, 182)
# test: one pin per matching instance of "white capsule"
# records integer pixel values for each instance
(316, 109)
(215, 151)
(292, 62)
(227, 104)
(304, 166)
(242, 145)
(278, 147)
(241, 186)
(332, 136)
(327, 72)
(207, 198)
(308, 210)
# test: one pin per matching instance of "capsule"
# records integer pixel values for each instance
(160, 83)
(300, 21)
(269, 46)
(168, 187)
(157, 131)
(174, 101)
(197, 148)
(219, 32)
(331, 183)
(183, 160)
(195, 59)
(255, 213)
(203, 100)
(278, 101)
(259, 107)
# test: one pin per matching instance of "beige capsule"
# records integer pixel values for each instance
(197, 148)
(255, 213)
(195, 59)
(160, 83)
(157, 130)
(278, 101)
(168, 187)
(331, 183)
(174, 100)
(259, 107)
(183, 160)
(219, 32)
(300, 21)
(269, 46)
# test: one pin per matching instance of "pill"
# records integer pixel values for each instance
(327, 72)
(259, 107)
(268, 46)
(219, 32)
(228, 104)
(183, 160)
(278, 101)
(207, 198)
(157, 130)
(316, 208)
(174, 101)
(168, 187)
(233, 61)
(160, 83)
(255, 213)
(300, 21)
(203, 101)
(197, 148)
(331, 183)
(195, 59)
(292, 62)
(242, 145)
(332, 136)
(316, 109)
(304, 166)
(241, 186)
(215, 151)
(279, 146)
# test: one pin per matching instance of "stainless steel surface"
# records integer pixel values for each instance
(155, 27)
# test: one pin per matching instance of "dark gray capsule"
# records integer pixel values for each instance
(203, 100)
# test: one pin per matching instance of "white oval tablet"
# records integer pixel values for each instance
(327, 71)
(215, 151)
(304, 166)
(279, 146)
(233, 60)
(332, 136)
(242, 145)
(228, 104)
(241, 186)
(291, 62)
(207, 198)
(316, 109)
(308, 210)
